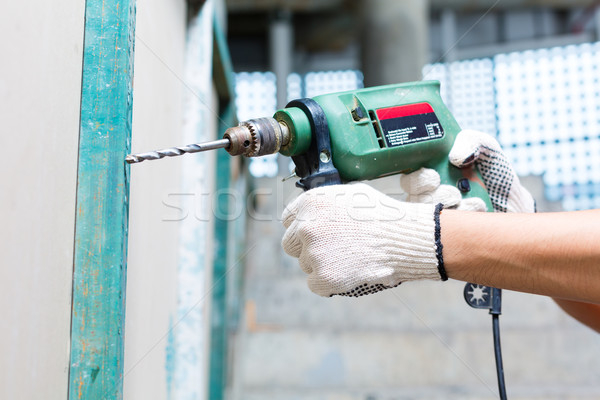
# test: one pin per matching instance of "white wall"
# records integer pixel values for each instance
(40, 85)
(153, 242)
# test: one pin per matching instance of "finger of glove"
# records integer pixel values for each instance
(469, 145)
(291, 243)
(448, 195)
(472, 204)
(421, 181)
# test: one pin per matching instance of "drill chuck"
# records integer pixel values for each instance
(252, 138)
(257, 137)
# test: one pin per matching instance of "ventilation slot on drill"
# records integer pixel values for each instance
(377, 129)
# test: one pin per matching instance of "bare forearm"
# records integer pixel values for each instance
(586, 313)
(554, 254)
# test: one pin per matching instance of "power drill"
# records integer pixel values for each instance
(360, 135)
(351, 136)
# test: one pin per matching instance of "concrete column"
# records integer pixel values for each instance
(281, 52)
(448, 37)
(394, 38)
(597, 22)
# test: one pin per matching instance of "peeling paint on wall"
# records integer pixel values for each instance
(190, 335)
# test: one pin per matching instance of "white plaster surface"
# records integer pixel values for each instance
(40, 90)
(153, 226)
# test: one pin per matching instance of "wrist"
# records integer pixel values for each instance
(412, 243)
(438, 242)
(454, 233)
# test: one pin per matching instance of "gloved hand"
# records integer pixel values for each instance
(352, 240)
(423, 186)
(502, 183)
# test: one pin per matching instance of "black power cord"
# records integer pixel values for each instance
(498, 354)
(485, 297)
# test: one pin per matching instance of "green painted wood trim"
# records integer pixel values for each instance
(99, 276)
(219, 307)
(223, 75)
(223, 78)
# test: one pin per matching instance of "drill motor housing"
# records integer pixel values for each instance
(374, 132)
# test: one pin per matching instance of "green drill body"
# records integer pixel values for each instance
(385, 130)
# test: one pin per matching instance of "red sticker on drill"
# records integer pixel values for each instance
(409, 124)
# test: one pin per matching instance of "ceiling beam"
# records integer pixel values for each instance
(460, 5)
(479, 5)
(289, 5)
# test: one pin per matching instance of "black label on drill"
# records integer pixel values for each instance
(409, 124)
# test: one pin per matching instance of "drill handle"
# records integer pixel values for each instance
(315, 167)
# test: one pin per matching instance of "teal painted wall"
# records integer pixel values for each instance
(196, 226)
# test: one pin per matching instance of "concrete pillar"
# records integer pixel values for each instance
(597, 22)
(281, 55)
(281, 52)
(394, 38)
(448, 37)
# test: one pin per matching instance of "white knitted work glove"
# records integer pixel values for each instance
(352, 240)
(502, 183)
(423, 186)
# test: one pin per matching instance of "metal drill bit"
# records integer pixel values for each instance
(177, 151)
